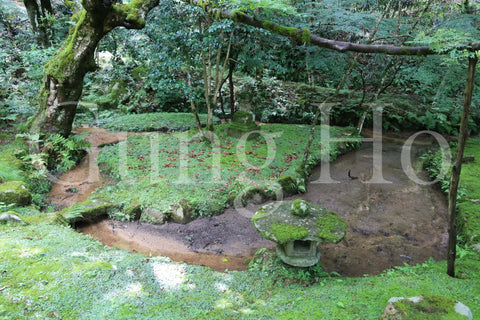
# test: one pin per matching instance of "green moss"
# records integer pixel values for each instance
(286, 232)
(331, 228)
(259, 215)
(285, 31)
(432, 307)
(15, 192)
(65, 59)
(300, 208)
(306, 36)
(88, 210)
(243, 117)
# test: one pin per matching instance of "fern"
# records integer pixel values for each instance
(9, 173)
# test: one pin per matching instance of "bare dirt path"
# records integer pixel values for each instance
(77, 184)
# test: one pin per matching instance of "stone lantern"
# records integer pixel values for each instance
(298, 227)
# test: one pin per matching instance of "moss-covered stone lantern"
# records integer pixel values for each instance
(298, 227)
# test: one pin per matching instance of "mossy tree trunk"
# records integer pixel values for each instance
(38, 15)
(63, 75)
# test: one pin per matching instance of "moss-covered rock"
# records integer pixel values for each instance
(86, 211)
(15, 192)
(182, 212)
(255, 195)
(134, 211)
(425, 307)
(154, 216)
(12, 217)
(300, 208)
(289, 185)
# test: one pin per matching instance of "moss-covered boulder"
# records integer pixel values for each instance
(15, 192)
(298, 227)
(86, 211)
(425, 307)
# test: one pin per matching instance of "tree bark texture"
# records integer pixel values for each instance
(63, 75)
(457, 169)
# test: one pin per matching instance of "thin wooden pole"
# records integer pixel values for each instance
(457, 168)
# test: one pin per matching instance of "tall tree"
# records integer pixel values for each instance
(64, 74)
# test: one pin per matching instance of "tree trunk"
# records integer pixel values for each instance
(37, 15)
(63, 75)
(457, 169)
(231, 67)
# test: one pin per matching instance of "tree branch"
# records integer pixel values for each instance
(304, 36)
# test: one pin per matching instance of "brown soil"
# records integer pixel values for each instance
(387, 224)
(222, 242)
(77, 184)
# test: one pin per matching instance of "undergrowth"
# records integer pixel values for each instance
(468, 199)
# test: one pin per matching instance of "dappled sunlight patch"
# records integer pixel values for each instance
(222, 287)
(134, 289)
(29, 252)
(223, 304)
(169, 275)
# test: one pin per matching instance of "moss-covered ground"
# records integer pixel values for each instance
(50, 271)
(469, 203)
(159, 170)
(158, 121)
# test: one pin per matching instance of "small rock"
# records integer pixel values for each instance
(182, 212)
(462, 309)
(157, 216)
(10, 217)
(86, 211)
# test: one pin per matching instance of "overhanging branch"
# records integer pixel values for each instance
(304, 36)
